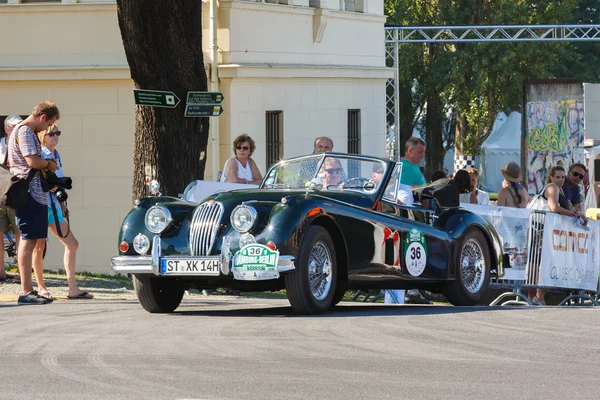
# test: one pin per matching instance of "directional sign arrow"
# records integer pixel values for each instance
(203, 98)
(210, 110)
(155, 98)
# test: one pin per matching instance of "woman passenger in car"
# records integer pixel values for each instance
(241, 168)
(465, 187)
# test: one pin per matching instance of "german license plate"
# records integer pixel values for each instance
(190, 266)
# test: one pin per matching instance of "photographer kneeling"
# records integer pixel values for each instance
(58, 218)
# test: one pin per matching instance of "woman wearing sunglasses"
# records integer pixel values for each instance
(242, 168)
(49, 141)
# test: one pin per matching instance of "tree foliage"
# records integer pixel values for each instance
(163, 46)
(469, 83)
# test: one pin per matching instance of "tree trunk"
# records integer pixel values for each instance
(163, 45)
(461, 130)
(434, 154)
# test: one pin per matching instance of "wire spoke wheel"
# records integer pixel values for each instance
(319, 271)
(472, 265)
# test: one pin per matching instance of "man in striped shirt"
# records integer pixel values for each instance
(24, 155)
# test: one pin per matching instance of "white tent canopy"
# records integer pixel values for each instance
(502, 146)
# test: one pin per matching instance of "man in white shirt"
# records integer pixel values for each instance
(483, 198)
(7, 215)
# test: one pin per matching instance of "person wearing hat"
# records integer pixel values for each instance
(512, 193)
(7, 215)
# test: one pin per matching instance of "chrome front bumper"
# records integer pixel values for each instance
(150, 264)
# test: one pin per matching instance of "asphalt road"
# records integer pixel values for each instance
(258, 349)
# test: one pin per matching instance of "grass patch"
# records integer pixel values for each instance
(280, 295)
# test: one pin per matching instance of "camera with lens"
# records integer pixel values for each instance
(52, 181)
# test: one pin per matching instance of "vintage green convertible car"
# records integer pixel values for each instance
(317, 226)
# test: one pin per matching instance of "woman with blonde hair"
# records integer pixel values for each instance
(241, 168)
(58, 215)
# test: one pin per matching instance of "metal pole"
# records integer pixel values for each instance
(396, 97)
(214, 86)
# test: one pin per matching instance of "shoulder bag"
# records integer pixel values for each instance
(539, 202)
(14, 190)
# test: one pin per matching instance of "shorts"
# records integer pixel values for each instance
(59, 214)
(7, 219)
(32, 220)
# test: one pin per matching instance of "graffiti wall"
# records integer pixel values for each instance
(554, 129)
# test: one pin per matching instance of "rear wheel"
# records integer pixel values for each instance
(157, 295)
(472, 270)
(311, 285)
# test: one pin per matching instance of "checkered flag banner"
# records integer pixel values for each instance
(463, 162)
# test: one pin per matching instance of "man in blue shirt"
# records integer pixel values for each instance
(413, 155)
(571, 186)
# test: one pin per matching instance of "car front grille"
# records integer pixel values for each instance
(204, 226)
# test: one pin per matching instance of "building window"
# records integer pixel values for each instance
(353, 141)
(274, 131)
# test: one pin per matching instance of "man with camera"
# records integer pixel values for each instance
(25, 154)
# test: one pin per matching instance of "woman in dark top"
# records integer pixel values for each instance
(557, 203)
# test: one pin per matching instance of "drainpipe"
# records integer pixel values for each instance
(214, 86)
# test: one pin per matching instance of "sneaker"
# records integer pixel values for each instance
(32, 298)
(416, 299)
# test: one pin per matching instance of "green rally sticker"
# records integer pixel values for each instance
(255, 262)
(415, 252)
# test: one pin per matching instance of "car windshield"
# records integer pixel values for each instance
(327, 173)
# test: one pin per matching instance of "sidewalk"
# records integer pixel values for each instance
(101, 288)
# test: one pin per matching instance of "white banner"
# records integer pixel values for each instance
(511, 225)
(570, 256)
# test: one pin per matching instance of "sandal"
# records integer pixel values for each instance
(45, 294)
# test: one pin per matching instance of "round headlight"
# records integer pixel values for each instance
(158, 219)
(243, 218)
(141, 244)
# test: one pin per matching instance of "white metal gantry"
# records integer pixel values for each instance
(397, 35)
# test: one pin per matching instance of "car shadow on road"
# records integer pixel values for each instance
(344, 310)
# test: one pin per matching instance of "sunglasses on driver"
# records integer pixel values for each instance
(333, 170)
(243, 148)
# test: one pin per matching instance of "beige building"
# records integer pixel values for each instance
(289, 72)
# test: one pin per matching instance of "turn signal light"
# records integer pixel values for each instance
(272, 246)
(124, 246)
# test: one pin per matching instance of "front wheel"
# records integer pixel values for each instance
(157, 295)
(311, 285)
(472, 270)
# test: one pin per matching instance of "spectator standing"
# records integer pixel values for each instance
(7, 214)
(241, 168)
(49, 140)
(411, 176)
(512, 193)
(483, 198)
(465, 187)
(413, 155)
(24, 155)
(571, 187)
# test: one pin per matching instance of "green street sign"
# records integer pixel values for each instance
(211, 110)
(203, 98)
(155, 98)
